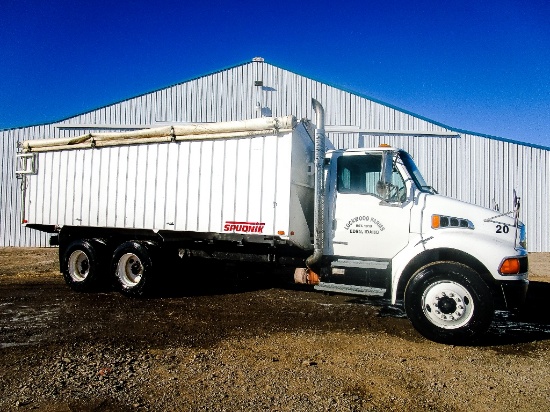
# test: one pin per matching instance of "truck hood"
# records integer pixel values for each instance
(470, 219)
(446, 206)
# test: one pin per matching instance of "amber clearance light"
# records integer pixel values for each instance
(510, 266)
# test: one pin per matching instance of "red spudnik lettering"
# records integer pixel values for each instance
(244, 227)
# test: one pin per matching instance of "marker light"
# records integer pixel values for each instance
(510, 266)
(448, 222)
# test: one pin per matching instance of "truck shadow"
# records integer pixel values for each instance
(214, 280)
(531, 324)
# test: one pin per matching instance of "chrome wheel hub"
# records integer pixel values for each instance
(447, 304)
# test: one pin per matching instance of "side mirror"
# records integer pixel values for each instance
(387, 168)
(383, 185)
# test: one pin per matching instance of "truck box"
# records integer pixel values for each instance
(251, 178)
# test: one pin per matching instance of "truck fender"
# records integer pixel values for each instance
(403, 272)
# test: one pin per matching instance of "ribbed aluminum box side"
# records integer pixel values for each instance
(252, 185)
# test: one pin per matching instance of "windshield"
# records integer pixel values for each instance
(415, 173)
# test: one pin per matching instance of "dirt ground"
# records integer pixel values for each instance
(254, 346)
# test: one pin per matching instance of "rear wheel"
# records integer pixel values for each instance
(449, 303)
(133, 268)
(81, 265)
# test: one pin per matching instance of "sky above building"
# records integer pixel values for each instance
(482, 66)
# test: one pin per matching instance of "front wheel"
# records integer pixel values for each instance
(449, 303)
(132, 266)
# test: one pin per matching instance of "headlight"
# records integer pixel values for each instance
(444, 222)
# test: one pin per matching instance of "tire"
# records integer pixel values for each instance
(449, 303)
(82, 266)
(132, 267)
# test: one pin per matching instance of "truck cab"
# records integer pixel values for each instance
(388, 233)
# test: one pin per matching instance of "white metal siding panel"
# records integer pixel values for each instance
(268, 197)
(229, 189)
(282, 186)
(241, 180)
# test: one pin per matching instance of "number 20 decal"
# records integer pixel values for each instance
(503, 229)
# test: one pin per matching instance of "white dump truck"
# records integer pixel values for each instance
(271, 190)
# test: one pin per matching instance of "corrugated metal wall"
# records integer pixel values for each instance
(12, 233)
(472, 168)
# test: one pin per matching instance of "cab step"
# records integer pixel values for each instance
(350, 289)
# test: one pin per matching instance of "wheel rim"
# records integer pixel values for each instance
(447, 304)
(129, 270)
(79, 266)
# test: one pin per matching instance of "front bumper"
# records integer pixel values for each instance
(514, 292)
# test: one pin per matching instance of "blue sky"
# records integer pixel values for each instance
(482, 66)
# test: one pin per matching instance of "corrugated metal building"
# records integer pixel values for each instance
(468, 166)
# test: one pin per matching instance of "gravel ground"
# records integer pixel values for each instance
(253, 347)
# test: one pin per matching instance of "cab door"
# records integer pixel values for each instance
(371, 216)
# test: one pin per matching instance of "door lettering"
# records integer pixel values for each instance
(364, 225)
